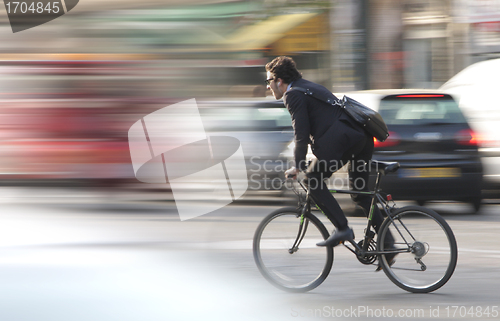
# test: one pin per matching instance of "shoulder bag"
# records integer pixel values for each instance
(366, 117)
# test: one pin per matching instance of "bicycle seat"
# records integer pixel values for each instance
(385, 167)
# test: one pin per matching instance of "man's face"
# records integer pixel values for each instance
(273, 85)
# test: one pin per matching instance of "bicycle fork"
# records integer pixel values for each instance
(302, 226)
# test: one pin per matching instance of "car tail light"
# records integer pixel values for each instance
(467, 137)
(392, 140)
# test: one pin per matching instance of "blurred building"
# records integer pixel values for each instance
(477, 23)
(423, 43)
(343, 44)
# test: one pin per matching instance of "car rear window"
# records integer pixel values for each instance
(420, 111)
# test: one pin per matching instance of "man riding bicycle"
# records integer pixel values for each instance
(335, 140)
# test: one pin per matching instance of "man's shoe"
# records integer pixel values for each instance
(391, 259)
(338, 237)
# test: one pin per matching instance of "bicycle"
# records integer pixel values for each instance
(285, 251)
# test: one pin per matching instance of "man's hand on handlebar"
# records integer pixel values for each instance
(291, 173)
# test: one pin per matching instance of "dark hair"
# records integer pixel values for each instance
(284, 67)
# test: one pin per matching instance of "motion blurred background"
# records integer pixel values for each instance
(71, 88)
(82, 239)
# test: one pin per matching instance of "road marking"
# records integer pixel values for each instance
(479, 251)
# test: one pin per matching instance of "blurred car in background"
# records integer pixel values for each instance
(64, 118)
(475, 88)
(433, 142)
(264, 128)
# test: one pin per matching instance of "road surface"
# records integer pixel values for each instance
(72, 255)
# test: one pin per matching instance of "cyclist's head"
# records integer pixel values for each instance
(284, 68)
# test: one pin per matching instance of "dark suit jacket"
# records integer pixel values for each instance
(328, 128)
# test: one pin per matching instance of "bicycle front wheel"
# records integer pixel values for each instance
(285, 251)
(430, 249)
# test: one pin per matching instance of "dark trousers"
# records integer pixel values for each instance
(359, 171)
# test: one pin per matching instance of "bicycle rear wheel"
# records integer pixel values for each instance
(298, 269)
(431, 255)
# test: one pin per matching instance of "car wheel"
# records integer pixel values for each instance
(477, 204)
(421, 202)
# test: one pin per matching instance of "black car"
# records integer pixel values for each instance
(431, 139)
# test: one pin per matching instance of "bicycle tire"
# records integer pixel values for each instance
(431, 241)
(302, 270)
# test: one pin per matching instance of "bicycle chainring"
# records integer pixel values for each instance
(368, 259)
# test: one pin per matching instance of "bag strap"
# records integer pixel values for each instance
(329, 100)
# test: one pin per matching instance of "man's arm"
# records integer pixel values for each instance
(297, 106)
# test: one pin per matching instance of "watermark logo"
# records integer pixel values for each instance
(171, 145)
(31, 13)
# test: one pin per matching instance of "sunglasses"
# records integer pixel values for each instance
(268, 81)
